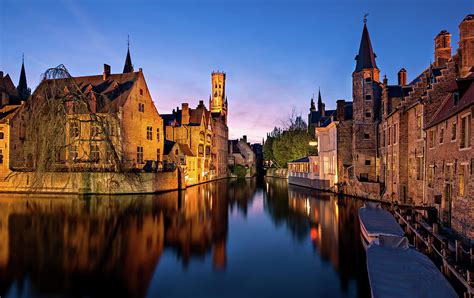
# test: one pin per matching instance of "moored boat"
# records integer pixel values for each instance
(376, 221)
(396, 270)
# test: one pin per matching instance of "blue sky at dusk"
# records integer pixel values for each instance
(275, 53)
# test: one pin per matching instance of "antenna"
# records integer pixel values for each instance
(365, 17)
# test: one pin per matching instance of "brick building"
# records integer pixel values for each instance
(112, 122)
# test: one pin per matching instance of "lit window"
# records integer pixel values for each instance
(139, 154)
(201, 150)
(463, 181)
(149, 133)
(419, 126)
(95, 152)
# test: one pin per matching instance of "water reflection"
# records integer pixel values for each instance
(123, 245)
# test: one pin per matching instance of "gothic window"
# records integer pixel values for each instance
(466, 131)
(149, 133)
(139, 154)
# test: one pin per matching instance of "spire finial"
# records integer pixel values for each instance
(23, 58)
(365, 18)
(128, 41)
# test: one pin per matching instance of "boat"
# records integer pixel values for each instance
(376, 221)
(396, 270)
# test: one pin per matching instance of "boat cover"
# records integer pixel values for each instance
(378, 221)
(395, 270)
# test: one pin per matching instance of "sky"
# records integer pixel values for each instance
(276, 54)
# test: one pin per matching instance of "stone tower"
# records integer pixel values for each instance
(366, 93)
(466, 44)
(442, 48)
(218, 100)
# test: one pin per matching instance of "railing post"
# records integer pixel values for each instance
(458, 251)
(430, 244)
(435, 228)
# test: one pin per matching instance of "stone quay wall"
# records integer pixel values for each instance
(277, 173)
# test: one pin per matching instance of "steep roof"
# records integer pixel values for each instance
(366, 57)
(114, 90)
(8, 112)
(128, 66)
(7, 86)
(449, 108)
(22, 84)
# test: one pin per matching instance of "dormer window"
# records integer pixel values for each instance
(456, 97)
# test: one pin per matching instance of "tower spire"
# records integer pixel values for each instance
(128, 67)
(22, 87)
(320, 101)
(366, 57)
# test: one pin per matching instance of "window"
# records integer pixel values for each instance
(141, 92)
(73, 154)
(111, 127)
(466, 131)
(395, 133)
(176, 152)
(201, 136)
(368, 97)
(389, 136)
(201, 150)
(208, 151)
(453, 131)
(364, 177)
(95, 130)
(368, 80)
(109, 153)
(367, 162)
(463, 182)
(208, 138)
(419, 168)
(431, 172)
(74, 129)
(1, 135)
(149, 133)
(1, 156)
(95, 152)
(419, 126)
(366, 136)
(139, 154)
(368, 114)
(141, 107)
(431, 138)
(448, 173)
(220, 86)
(158, 154)
(158, 134)
(456, 97)
(441, 135)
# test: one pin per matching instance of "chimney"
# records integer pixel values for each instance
(466, 44)
(340, 110)
(184, 114)
(244, 138)
(106, 74)
(442, 48)
(402, 77)
(201, 104)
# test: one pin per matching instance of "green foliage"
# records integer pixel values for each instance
(283, 146)
(239, 170)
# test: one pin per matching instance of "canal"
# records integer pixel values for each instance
(253, 238)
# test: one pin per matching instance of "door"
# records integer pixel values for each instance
(446, 206)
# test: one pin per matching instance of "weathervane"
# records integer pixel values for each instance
(365, 17)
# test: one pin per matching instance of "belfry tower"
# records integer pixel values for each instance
(218, 99)
(366, 94)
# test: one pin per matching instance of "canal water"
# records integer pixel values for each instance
(253, 238)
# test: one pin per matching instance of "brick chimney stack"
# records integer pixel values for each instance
(402, 77)
(106, 73)
(442, 48)
(184, 114)
(340, 110)
(466, 44)
(244, 138)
